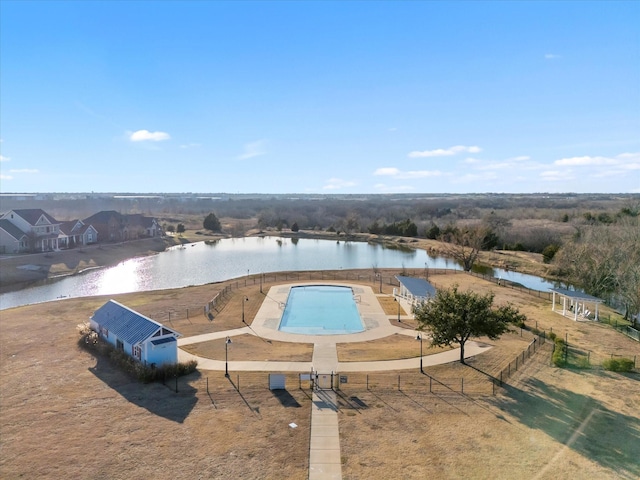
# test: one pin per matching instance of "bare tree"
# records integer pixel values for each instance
(605, 262)
(464, 244)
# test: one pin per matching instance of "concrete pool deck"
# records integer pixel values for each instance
(376, 322)
(324, 447)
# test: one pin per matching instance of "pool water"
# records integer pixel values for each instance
(321, 310)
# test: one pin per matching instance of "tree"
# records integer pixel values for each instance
(604, 261)
(212, 223)
(295, 227)
(180, 228)
(465, 244)
(453, 317)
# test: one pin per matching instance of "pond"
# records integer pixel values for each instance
(206, 262)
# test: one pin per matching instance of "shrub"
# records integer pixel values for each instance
(618, 364)
(549, 252)
(558, 357)
(583, 362)
(144, 373)
(552, 336)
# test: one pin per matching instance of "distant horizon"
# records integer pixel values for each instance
(328, 194)
(348, 98)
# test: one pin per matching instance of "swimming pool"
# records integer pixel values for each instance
(321, 310)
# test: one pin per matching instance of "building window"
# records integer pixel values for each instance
(120, 345)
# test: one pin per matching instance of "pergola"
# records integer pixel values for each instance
(574, 304)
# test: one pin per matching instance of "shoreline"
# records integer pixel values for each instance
(28, 270)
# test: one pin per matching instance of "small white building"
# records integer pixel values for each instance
(575, 304)
(140, 337)
(414, 290)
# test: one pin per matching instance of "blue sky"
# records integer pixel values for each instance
(320, 97)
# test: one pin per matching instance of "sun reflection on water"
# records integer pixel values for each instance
(125, 278)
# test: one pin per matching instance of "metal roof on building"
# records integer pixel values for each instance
(576, 295)
(128, 325)
(417, 287)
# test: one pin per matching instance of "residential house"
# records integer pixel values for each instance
(75, 233)
(12, 239)
(109, 224)
(140, 337)
(113, 226)
(138, 226)
(40, 228)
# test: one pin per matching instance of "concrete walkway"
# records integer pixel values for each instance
(324, 447)
(324, 450)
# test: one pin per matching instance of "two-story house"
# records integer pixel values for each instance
(40, 231)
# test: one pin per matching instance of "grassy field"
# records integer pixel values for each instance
(66, 414)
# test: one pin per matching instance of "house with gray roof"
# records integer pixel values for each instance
(114, 226)
(138, 336)
(41, 229)
(12, 239)
(75, 232)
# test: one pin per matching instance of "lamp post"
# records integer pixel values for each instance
(379, 275)
(398, 308)
(261, 275)
(226, 356)
(419, 337)
(244, 299)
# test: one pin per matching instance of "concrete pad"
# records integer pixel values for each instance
(325, 472)
(325, 443)
(324, 457)
(324, 431)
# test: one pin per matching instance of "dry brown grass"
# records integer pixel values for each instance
(66, 414)
(252, 348)
(395, 347)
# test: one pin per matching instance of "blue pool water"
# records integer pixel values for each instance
(321, 310)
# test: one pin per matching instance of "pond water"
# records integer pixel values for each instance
(201, 263)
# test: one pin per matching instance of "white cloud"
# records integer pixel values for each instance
(5, 177)
(253, 149)
(386, 171)
(586, 160)
(521, 158)
(191, 145)
(145, 135)
(551, 56)
(632, 156)
(444, 152)
(411, 174)
(4, 159)
(557, 175)
(338, 183)
(24, 170)
(471, 161)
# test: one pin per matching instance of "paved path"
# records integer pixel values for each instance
(324, 450)
(324, 447)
